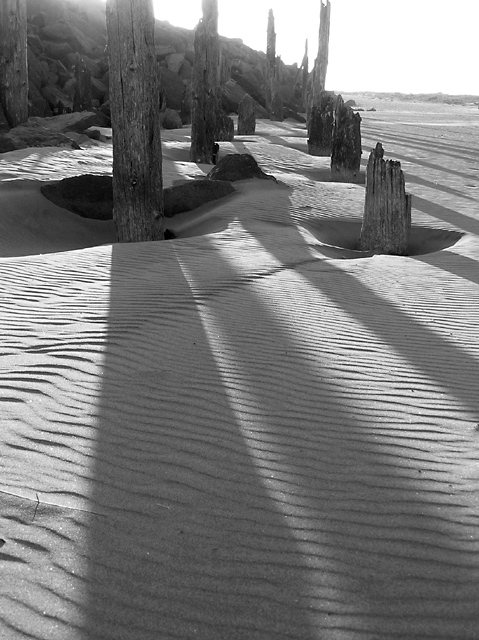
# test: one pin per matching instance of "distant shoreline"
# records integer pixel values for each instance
(435, 98)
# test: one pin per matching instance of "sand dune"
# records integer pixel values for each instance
(253, 431)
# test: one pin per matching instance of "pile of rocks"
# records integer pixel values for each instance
(59, 30)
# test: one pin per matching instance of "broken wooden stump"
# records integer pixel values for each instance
(346, 144)
(246, 116)
(225, 127)
(321, 120)
(387, 209)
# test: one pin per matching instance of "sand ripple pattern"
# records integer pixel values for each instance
(233, 436)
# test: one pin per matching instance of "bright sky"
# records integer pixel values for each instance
(410, 46)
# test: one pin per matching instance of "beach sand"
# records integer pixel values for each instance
(253, 431)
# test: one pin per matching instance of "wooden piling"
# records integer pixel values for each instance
(387, 209)
(13, 61)
(246, 116)
(274, 103)
(321, 119)
(346, 144)
(82, 96)
(204, 85)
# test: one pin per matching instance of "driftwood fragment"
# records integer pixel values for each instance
(346, 144)
(246, 116)
(387, 209)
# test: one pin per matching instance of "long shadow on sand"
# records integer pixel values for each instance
(467, 223)
(431, 165)
(193, 545)
(427, 356)
(423, 143)
(257, 487)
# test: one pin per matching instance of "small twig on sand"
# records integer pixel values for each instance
(36, 507)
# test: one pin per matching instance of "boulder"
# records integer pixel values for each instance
(232, 93)
(35, 43)
(57, 50)
(162, 51)
(91, 196)
(175, 62)
(186, 71)
(172, 87)
(98, 90)
(37, 71)
(61, 72)
(77, 121)
(166, 35)
(53, 95)
(33, 135)
(238, 166)
(192, 194)
(170, 119)
(81, 139)
(249, 79)
(64, 32)
(36, 102)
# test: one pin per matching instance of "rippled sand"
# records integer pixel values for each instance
(253, 431)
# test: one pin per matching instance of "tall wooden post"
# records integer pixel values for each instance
(274, 103)
(82, 97)
(317, 145)
(204, 85)
(387, 208)
(13, 61)
(346, 144)
(305, 77)
(135, 108)
(321, 62)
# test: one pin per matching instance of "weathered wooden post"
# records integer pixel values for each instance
(246, 116)
(13, 61)
(274, 103)
(321, 125)
(319, 112)
(305, 77)
(387, 208)
(135, 107)
(82, 97)
(225, 128)
(204, 84)
(346, 144)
